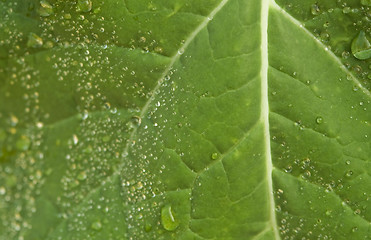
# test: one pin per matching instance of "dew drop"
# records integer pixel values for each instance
(181, 51)
(97, 225)
(34, 41)
(347, 10)
(136, 120)
(2, 191)
(23, 143)
(361, 47)
(84, 5)
(288, 169)
(75, 139)
(214, 156)
(45, 9)
(106, 138)
(82, 176)
(314, 9)
(319, 120)
(168, 220)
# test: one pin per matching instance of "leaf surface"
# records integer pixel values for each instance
(217, 119)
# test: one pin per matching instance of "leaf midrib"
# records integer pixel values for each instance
(264, 114)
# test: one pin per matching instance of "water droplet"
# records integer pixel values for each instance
(288, 169)
(34, 41)
(75, 139)
(349, 173)
(45, 9)
(67, 16)
(84, 5)
(347, 10)
(106, 138)
(168, 220)
(314, 9)
(82, 176)
(319, 120)
(107, 105)
(278, 208)
(214, 156)
(97, 225)
(23, 143)
(2, 191)
(361, 47)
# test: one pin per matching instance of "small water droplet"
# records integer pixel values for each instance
(181, 51)
(23, 143)
(97, 225)
(319, 120)
(2, 190)
(214, 156)
(84, 5)
(347, 10)
(135, 121)
(315, 10)
(106, 138)
(75, 139)
(82, 176)
(288, 169)
(34, 40)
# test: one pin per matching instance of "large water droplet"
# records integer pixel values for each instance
(45, 9)
(168, 220)
(84, 5)
(361, 47)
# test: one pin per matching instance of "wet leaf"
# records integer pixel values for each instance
(185, 119)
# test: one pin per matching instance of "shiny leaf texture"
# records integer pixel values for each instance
(185, 119)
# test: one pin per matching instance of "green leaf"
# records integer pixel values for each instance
(185, 119)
